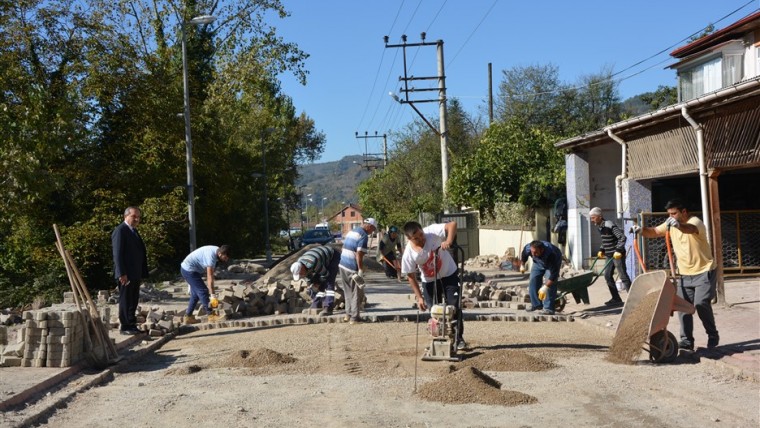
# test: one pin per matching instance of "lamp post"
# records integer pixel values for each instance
(198, 20)
(308, 198)
(323, 207)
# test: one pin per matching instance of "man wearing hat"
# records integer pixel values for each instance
(613, 245)
(386, 253)
(319, 267)
(352, 266)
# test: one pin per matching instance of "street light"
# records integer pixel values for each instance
(323, 206)
(198, 20)
(308, 198)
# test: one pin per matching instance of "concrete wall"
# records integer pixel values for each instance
(498, 240)
(578, 200)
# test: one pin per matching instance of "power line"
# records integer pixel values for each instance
(488, 12)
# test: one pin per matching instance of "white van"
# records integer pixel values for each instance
(324, 226)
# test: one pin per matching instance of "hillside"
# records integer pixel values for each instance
(337, 181)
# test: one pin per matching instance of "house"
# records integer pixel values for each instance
(349, 217)
(704, 150)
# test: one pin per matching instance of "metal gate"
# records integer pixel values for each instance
(467, 231)
(740, 231)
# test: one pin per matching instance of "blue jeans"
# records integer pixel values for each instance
(198, 291)
(537, 273)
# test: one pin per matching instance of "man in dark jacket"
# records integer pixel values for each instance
(613, 245)
(130, 266)
(547, 261)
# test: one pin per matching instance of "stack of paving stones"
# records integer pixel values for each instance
(157, 322)
(50, 337)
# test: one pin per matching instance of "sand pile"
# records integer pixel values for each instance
(184, 370)
(470, 385)
(509, 360)
(626, 345)
(255, 358)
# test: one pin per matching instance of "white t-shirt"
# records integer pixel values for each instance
(435, 234)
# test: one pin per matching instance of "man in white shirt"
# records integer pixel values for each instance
(427, 250)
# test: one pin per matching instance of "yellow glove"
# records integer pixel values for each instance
(600, 254)
(213, 302)
(617, 255)
(542, 292)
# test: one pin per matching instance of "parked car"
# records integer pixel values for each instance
(316, 236)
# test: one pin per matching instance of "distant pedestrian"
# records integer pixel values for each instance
(352, 266)
(613, 245)
(319, 266)
(696, 266)
(199, 262)
(547, 261)
(386, 252)
(130, 266)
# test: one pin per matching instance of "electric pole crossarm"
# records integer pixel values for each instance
(419, 101)
(419, 78)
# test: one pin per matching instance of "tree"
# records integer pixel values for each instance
(513, 163)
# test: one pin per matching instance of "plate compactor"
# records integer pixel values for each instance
(443, 320)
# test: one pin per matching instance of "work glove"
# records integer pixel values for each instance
(214, 302)
(671, 222)
(542, 292)
(600, 254)
(360, 273)
(635, 229)
(522, 269)
(618, 255)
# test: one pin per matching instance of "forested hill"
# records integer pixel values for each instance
(337, 181)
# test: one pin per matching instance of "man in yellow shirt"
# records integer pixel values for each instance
(695, 266)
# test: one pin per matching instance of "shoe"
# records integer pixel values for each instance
(545, 312)
(531, 308)
(189, 319)
(128, 332)
(686, 344)
(614, 302)
(461, 345)
(712, 341)
(346, 318)
(355, 321)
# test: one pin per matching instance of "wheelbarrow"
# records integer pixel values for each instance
(653, 297)
(577, 286)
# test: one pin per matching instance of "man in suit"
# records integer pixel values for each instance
(130, 266)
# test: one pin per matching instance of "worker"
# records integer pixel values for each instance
(387, 252)
(427, 251)
(696, 267)
(203, 260)
(352, 266)
(319, 266)
(613, 245)
(547, 261)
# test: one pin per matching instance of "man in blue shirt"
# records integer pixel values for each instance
(352, 266)
(547, 260)
(203, 260)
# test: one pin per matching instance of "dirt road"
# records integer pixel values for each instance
(340, 375)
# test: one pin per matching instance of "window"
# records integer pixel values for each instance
(711, 75)
(732, 69)
(353, 213)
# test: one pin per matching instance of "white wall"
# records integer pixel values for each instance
(496, 241)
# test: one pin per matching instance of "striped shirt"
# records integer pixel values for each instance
(316, 261)
(613, 238)
(356, 241)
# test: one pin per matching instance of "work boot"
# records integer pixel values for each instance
(325, 312)
(686, 344)
(614, 302)
(189, 319)
(712, 341)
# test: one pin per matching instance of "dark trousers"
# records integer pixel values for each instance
(198, 291)
(618, 265)
(390, 270)
(699, 290)
(433, 293)
(324, 296)
(129, 297)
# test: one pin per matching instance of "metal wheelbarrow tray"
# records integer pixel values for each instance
(653, 296)
(577, 286)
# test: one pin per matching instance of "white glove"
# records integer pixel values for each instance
(618, 255)
(522, 269)
(360, 273)
(635, 229)
(542, 292)
(671, 222)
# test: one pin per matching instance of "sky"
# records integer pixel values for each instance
(351, 71)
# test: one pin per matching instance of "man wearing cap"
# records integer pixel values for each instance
(613, 245)
(386, 253)
(319, 267)
(352, 266)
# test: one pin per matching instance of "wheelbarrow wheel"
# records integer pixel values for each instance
(559, 304)
(663, 347)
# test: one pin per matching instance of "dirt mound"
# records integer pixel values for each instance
(252, 359)
(626, 345)
(470, 385)
(509, 360)
(184, 370)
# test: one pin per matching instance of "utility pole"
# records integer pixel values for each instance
(441, 100)
(490, 94)
(370, 160)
